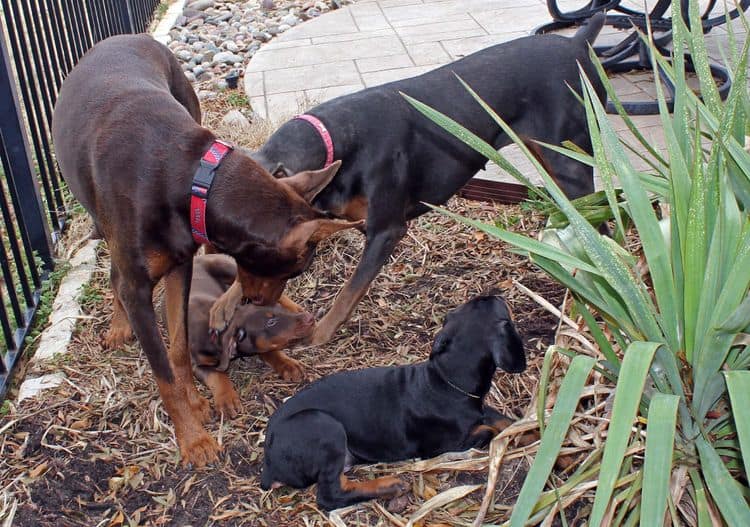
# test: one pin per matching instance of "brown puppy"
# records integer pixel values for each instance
(128, 141)
(251, 330)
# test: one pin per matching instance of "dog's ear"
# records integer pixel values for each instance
(310, 182)
(440, 343)
(509, 354)
(314, 231)
(223, 309)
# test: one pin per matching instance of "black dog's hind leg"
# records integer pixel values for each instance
(379, 246)
(311, 447)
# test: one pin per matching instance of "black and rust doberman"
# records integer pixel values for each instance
(253, 330)
(395, 413)
(128, 141)
(394, 158)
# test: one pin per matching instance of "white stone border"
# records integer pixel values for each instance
(161, 33)
(66, 311)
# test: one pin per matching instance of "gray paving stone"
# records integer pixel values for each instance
(426, 53)
(512, 20)
(307, 77)
(381, 77)
(333, 23)
(277, 58)
(319, 95)
(351, 37)
(296, 43)
(437, 37)
(254, 83)
(365, 9)
(371, 22)
(438, 27)
(384, 63)
(460, 47)
(430, 19)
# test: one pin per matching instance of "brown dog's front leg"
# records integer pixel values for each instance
(177, 290)
(376, 253)
(196, 445)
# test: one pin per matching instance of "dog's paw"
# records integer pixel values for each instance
(228, 402)
(390, 487)
(118, 335)
(290, 370)
(198, 448)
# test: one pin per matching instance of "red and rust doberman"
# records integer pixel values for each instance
(128, 140)
(253, 330)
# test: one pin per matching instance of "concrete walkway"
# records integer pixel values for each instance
(377, 41)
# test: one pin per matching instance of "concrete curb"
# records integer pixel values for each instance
(62, 321)
(161, 33)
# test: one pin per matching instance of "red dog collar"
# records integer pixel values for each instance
(324, 135)
(202, 181)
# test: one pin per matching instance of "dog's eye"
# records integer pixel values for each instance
(271, 322)
(241, 334)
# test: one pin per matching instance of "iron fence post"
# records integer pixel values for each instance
(22, 175)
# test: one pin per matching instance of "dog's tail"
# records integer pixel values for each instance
(590, 29)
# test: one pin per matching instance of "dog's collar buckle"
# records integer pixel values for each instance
(202, 181)
(325, 135)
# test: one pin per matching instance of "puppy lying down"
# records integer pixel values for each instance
(395, 413)
(261, 330)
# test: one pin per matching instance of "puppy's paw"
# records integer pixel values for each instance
(287, 368)
(290, 370)
(228, 402)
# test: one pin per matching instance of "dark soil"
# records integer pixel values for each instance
(99, 450)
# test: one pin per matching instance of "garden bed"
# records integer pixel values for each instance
(100, 449)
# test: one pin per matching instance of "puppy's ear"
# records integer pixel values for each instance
(509, 354)
(314, 231)
(440, 343)
(223, 309)
(310, 182)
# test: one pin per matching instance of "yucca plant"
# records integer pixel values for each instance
(672, 334)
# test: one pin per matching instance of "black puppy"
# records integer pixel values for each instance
(396, 413)
(393, 158)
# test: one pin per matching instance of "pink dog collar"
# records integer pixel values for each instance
(324, 135)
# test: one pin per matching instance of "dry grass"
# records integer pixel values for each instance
(99, 450)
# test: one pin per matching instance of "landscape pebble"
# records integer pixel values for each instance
(214, 37)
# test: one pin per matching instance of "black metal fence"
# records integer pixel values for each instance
(40, 41)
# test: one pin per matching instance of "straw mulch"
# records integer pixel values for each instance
(99, 450)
